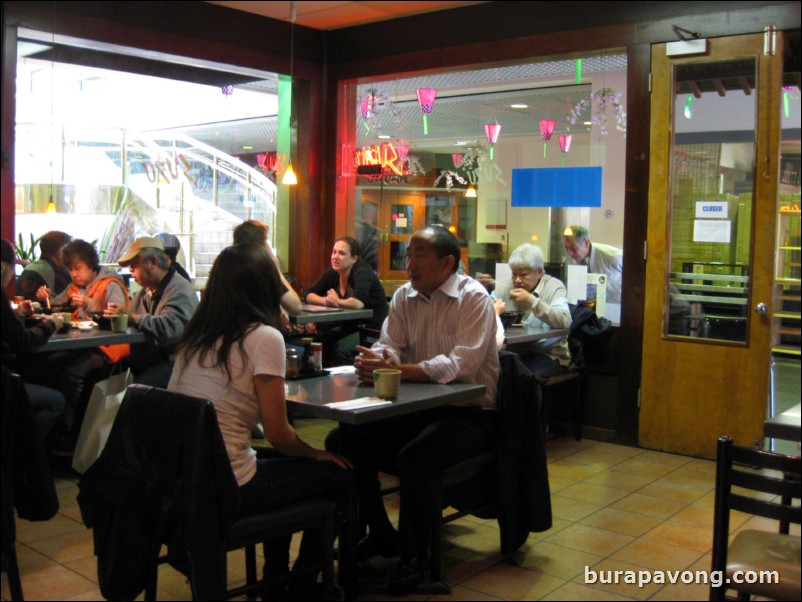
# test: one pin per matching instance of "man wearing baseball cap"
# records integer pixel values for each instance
(161, 310)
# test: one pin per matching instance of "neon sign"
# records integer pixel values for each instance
(384, 154)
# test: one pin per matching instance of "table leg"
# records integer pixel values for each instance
(348, 562)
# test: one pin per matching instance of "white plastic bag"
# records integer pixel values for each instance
(107, 395)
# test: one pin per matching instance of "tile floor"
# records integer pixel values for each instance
(615, 508)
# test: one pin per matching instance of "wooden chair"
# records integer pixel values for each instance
(751, 550)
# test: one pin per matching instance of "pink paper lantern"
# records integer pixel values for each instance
(546, 130)
(492, 130)
(426, 98)
(565, 145)
(403, 151)
(457, 159)
(366, 106)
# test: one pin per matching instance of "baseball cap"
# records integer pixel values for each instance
(9, 254)
(145, 242)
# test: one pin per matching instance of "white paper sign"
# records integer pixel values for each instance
(600, 280)
(708, 230)
(712, 209)
(503, 273)
(577, 283)
(401, 222)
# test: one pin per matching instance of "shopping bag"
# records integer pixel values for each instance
(107, 395)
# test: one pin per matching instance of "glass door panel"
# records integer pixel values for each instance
(711, 200)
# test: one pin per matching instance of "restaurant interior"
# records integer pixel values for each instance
(115, 138)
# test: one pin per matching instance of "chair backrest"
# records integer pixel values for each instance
(746, 468)
(164, 476)
(737, 466)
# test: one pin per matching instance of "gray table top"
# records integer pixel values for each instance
(787, 426)
(527, 333)
(319, 313)
(309, 397)
(84, 339)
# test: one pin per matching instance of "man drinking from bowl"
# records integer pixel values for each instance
(542, 299)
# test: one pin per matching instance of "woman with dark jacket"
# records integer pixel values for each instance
(349, 284)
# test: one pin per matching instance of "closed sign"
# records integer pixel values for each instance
(712, 209)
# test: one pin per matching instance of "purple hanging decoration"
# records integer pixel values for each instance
(227, 90)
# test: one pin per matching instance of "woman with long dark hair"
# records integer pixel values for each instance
(233, 353)
(349, 284)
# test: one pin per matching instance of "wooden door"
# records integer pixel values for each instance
(710, 253)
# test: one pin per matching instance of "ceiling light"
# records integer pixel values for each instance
(519, 106)
(384, 137)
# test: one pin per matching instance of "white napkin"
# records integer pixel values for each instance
(341, 370)
(358, 404)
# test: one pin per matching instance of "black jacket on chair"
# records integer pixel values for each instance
(27, 483)
(524, 498)
(163, 477)
(515, 490)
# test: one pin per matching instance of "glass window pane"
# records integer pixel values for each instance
(708, 290)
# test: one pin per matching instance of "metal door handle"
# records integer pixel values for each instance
(761, 309)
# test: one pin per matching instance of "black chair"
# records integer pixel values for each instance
(565, 390)
(508, 482)
(165, 478)
(368, 335)
(27, 483)
(746, 469)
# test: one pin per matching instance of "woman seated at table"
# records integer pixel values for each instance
(543, 300)
(348, 284)
(232, 352)
(92, 288)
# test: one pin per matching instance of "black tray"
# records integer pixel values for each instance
(308, 375)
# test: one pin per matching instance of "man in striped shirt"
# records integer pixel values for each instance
(441, 328)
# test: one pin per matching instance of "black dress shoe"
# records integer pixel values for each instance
(404, 578)
(383, 543)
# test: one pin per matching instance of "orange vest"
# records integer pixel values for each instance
(98, 291)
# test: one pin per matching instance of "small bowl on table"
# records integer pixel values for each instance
(511, 318)
(103, 323)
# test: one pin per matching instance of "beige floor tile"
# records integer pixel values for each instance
(571, 470)
(666, 459)
(656, 555)
(616, 577)
(691, 475)
(459, 592)
(619, 521)
(596, 456)
(618, 479)
(557, 524)
(458, 570)
(513, 583)
(558, 483)
(613, 449)
(478, 539)
(648, 505)
(30, 560)
(91, 595)
(681, 591)
(557, 561)
(645, 468)
(593, 494)
(53, 583)
(590, 539)
(683, 535)
(576, 591)
(570, 509)
(671, 490)
(86, 567)
(66, 546)
(28, 532)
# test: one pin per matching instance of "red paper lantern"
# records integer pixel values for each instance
(492, 130)
(546, 130)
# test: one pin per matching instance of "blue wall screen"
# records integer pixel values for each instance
(557, 187)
